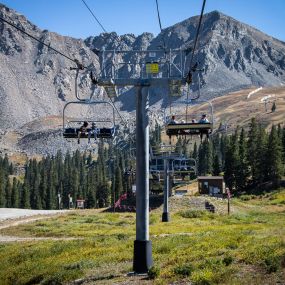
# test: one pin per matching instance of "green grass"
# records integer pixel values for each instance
(196, 246)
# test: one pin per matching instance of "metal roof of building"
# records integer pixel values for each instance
(211, 177)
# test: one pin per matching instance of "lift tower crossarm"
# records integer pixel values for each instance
(156, 82)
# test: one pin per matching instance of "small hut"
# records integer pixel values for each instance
(211, 185)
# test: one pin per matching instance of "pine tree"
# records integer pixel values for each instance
(25, 197)
(253, 154)
(15, 194)
(273, 108)
(34, 183)
(118, 183)
(2, 188)
(195, 151)
(179, 146)
(261, 164)
(205, 158)
(43, 184)
(283, 145)
(103, 194)
(274, 158)
(216, 166)
(222, 150)
(91, 188)
(242, 171)
(231, 161)
(8, 193)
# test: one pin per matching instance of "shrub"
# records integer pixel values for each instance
(153, 272)
(247, 197)
(164, 248)
(272, 263)
(203, 277)
(122, 236)
(282, 261)
(184, 269)
(228, 260)
(192, 214)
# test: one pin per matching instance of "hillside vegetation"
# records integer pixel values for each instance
(247, 247)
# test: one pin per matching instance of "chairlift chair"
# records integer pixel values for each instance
(71, 127)
(186, 127)
(184, 165)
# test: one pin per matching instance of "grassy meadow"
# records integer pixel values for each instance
(247, 247)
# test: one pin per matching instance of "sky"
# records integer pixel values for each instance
(72, 18)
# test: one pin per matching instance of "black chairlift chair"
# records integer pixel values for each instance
(71, 129)
(184, 165)
(190, 128)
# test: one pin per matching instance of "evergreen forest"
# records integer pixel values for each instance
(248, 159)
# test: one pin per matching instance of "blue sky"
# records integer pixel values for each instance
(71, 17)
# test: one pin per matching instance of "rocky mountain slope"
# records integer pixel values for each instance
(232, 54)
(36, 83)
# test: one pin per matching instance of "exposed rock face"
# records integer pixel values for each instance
(36, 82)
(232, 54)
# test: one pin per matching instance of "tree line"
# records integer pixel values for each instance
(98, 180)
(246, 158)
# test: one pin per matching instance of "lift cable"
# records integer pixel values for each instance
(94, 16)
(196, 38)
(194, 67)
(158, 15)
(79, 65)
(160, 26)
(94, 80)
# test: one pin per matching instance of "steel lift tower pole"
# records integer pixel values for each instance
(142, 245)
(155, 72)
(165, 214)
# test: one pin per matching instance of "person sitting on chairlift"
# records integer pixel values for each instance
(82, 130)
(93, 131)
(204, 120)
(172, 121)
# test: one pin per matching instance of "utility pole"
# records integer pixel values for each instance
(229, 197)
(59, 200)
(165, 214)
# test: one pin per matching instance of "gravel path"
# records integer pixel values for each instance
(14, 217)
(8, 213)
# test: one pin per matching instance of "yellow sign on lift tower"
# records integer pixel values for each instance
(152, 68)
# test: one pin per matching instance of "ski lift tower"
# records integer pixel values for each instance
(142, 69)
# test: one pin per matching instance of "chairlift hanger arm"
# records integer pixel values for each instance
(87, 103)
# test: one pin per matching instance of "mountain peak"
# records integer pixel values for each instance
(231, 54)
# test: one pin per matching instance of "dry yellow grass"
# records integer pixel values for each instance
(192, 188)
